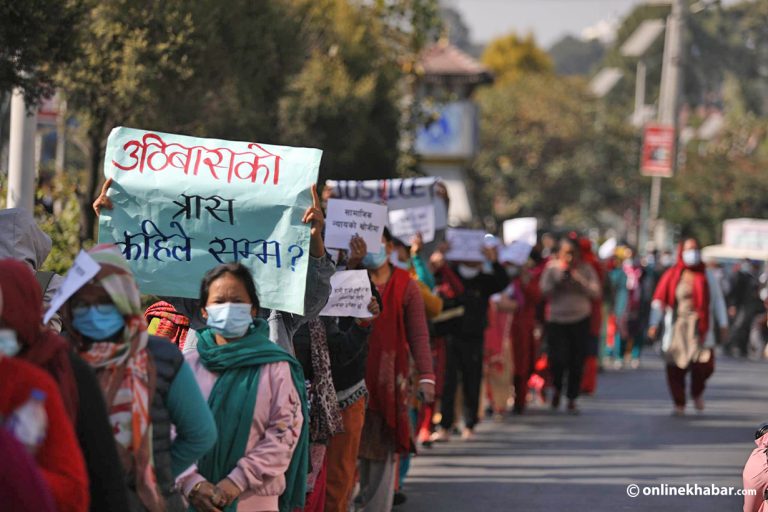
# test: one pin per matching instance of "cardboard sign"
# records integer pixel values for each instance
(350, 295)
(465, 244)
(405, 224)
(523, 229)
(183, 205)
(346, 219)
(83, 269)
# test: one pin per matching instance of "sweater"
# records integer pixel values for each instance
(59, 457)
(570, 298)
(273, 436)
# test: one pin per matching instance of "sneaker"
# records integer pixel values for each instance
(556, 400)
(678, 411)
(634, 364)
(399, 498)
(698, 404)
(572, 409)
(467, 434)
(441, 435)
(498, 417)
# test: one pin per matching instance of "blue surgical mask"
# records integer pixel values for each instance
(9, 345)
(231, 320)
(372, 261)
(468, 272)
(97, 322)
(404, 265)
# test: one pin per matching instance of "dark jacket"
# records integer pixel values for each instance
(94, 433)
(477, 291)
(167, 361)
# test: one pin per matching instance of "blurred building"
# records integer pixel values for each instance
(448, 139)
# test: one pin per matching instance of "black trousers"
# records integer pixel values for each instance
(464, 356)
(568, 345)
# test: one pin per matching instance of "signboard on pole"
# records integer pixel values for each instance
(658, 158)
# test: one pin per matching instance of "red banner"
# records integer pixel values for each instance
(658, 151)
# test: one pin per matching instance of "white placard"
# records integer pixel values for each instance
(607, 249)
(404, 224)
(350, 295)
(465, 244)
(346, 219)
(83, 269)
(523, 229)
(516, 253)
(396, 193)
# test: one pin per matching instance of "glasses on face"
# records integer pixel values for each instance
(82, 308)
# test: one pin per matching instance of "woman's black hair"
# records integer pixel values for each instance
(387, 235)
(761, 431)
(239, 271)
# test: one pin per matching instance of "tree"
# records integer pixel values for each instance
(548, 151)
(127, 52)
(511, 57)
(572, 56)
(36, 40)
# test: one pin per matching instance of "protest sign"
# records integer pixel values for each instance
(405, 224)
(350, 295)
(397, 194)
(607, 249)
(523, 229)
(345, 219)
(516, 253)
(465, 244)
(83, 269)
(183, 205)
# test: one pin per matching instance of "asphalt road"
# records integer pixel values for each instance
(547, 461)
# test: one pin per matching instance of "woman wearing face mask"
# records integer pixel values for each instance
(256, 392)
(147, 386)
(78, 387)
(689, 301)
(400, 331)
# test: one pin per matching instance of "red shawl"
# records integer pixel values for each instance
(23, 312)
(665, 290)
(172, 324)
(386, 374)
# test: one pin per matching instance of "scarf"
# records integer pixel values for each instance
(232, 402)
(126, 374)
(40, 346)
(387, 368)
(667, 287)
(325, 416)
(171, 324)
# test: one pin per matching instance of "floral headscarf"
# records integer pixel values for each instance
(126, 374)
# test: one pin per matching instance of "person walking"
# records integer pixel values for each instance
(689, 301)
(570, 285)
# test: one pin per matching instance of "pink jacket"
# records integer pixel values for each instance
(756, 476)
(275, 430)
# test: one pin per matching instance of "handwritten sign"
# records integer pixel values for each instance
(465, 244)
(183, 205)
(523, 229)
(350, 295)
(397, 194)
(346, 219)
(516, 253)
(406, 223)
(83, 269)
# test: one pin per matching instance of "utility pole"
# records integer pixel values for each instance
(21, 154)
(671, 82)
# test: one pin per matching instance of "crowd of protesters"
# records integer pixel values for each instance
(218, 404)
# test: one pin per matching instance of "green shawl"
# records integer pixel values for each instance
(232, 402)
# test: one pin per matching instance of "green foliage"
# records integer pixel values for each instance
(36, 40)
(546, 151)
(573, 56)
(63, 227)
(511, 57)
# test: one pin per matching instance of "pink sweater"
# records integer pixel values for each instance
(275, 430)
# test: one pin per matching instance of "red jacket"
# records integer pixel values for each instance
(59, 458)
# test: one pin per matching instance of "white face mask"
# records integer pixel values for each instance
(468, 272)
(9, 345)
(691, 257)
(405, 265)
(229, 319)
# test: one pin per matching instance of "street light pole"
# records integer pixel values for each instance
(671, 81)
(21, 154)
